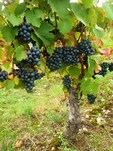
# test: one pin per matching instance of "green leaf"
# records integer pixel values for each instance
(42, 65)
(11, 7)
(16, 80)
(10, 52)
(85, 86)
(94, 86)
(14, 20)
(100, 16)
(34, 17)
(38, 41)
(9, 33)
(44, 33)
(20, 8)
(65, 25)
(44, 5)
(50, 50)
(99, 32)
(5, 12)
(7, 66)
(63, 69)
(39, 13)
(16, 43)
(89, 85)
(60, 7)
(96, 58)
(92, 65)
(92, 17)
(9, 84)
(80, 12)
(108, 8)
(20, 54)
(74, 71)
(87, 3)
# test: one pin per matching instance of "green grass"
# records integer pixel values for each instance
(22, 112)
(39, 118)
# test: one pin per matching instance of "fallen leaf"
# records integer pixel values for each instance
(19, 144)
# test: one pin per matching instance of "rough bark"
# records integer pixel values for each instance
(74, 119)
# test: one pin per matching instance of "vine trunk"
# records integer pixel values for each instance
(74, 118)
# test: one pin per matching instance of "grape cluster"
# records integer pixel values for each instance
(28, 77)
(111, 67)
(28, 74)
(66, 82)
(26, 68)
(91, 98)
(70, 55)
(66, 55)
(33, 56)
(24, 32)
(3, 75)
(103, 70)
(85, 47)
(54, 62)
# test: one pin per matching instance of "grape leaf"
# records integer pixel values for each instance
(14, 20)
(98, 31)
(20, 54)
(87, 3)
(44, 33)
(74, 71)
(60, 6)
(10, 52)
(20, 8)
(92, 16)
(80, 12)
(108, 8)
(9, 33)
(7, 66)
(34, 17)
(65, 25)
(38, 41)
(9, 84)
(85, 86)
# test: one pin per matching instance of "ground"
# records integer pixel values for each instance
(35, 122)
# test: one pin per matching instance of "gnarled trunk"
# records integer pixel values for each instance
(74, 118)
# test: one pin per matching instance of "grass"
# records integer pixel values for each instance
(36, 121)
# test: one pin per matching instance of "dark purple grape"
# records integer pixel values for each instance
(91, 98)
